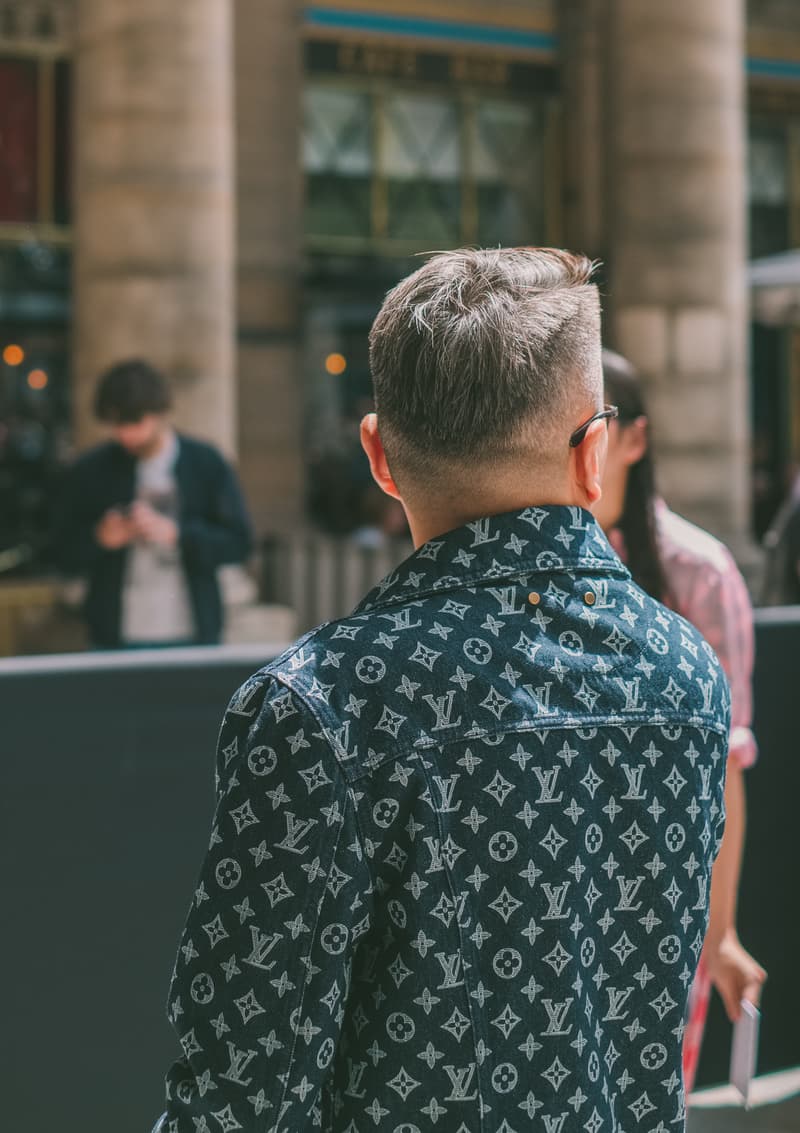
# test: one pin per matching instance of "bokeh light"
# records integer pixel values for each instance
(13, 355)
(336, 363)
(38, 379)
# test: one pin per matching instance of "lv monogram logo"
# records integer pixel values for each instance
(443, 709)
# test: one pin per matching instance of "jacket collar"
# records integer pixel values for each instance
(534, 540)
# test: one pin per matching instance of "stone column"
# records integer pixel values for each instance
(582, 35)
(674, 141)
(269, 83)
(154, 203)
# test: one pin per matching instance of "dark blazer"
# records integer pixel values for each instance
(213, 520)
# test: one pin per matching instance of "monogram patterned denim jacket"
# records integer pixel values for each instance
(459, 867)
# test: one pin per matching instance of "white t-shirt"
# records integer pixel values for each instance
(156, 605)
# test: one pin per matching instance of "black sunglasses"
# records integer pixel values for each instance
(606, 414)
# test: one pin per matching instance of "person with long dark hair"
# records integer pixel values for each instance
(695, 575)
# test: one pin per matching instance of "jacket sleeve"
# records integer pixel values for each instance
(264, 965)
(223, 533)
(75, 517)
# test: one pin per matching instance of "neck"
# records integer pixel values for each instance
(432, 521)
(158, 443)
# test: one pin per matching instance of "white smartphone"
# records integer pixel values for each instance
(744, 1050)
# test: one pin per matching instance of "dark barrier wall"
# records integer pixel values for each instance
(106, 798)
(106, 771)
(769, 893)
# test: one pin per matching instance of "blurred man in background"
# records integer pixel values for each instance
(147, 519)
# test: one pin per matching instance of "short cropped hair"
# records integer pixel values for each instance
(482, 355)
(129, 391)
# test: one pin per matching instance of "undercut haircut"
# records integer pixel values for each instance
(484, 355)
(129, 391)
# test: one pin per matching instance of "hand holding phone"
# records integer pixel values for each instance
(744, 1050)
(152, 526)
(114, 530)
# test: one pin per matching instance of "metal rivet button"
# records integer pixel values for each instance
(589, 598)
(534, 598)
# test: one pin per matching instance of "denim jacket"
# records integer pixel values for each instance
(459, 868)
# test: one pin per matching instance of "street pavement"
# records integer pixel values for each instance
(775, 1107)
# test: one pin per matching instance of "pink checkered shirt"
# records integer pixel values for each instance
(708, 590)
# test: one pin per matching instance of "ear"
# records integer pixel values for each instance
(587, 461)
(633, 440)
(373, 447)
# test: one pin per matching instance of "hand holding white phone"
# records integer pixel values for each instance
(744, 1050)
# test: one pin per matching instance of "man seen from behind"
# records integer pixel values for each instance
(459, 866)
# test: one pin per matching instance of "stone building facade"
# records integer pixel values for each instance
(230, 187)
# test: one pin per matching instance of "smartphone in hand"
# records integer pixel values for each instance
(744, 1050)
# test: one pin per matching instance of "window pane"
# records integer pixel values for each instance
(421, 158)
(18, 140)
(507, 217)
(34, 410)
(422, 138)
(508, 141)
(769, 230)
(34, 281)
(425, 213)
(338, 131)
(508, 166)
(337, 206)
(768, 174)
(337, 153)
